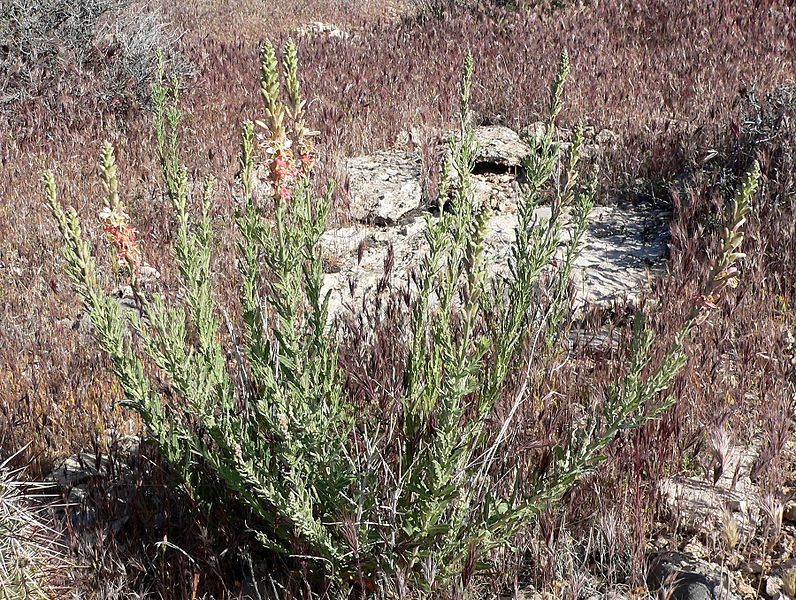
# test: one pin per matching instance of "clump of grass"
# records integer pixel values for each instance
(29, 550)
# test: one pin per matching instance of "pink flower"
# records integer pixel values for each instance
(287, 163)
(307, 160)
(123, 237)
(283, 171)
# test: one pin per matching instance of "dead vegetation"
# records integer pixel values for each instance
(696, 95)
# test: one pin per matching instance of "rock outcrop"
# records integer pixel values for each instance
(383, 187)
(623, 245)
(682, 577)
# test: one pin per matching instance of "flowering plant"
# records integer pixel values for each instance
(413, 498)
(283, 163)
(116, 220)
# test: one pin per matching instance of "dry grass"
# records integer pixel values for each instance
(394, 75)
(669, 77)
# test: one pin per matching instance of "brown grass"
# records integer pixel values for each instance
(637, 69)
(669, 77)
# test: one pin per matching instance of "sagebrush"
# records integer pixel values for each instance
(405, 499)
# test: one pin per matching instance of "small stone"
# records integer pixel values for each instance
(696, 549)
(498, 145)
(683, 577)
(534, 132)
(745, 589)
(148, 274)
(319, 28)
(773, 585)
(789, 512)
(607, 138)
(76, 470)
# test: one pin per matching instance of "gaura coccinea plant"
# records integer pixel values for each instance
(376, 504)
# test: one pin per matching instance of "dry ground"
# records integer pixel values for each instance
(683, 83)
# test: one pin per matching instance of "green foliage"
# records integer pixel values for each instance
(378, 503)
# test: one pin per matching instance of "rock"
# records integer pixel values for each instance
(356, 258)
(73, 476)
(698, 505)
(383, 187)
(621, 250)
(789, 512)
(319, 28)
(502, 150)
(84, 477)
(781, 581)
(523, 594)
(341, 245)
(696, 549)
(499, 191)
(752, 567)
(534, 132)
(408, 139)
(499, 150)
(148, 275)
(77, 470)
(745, 589)
(682, 577)
(773, 586)
(594, 142)
(498, 145)
(789, 582)
(610, 595)
(607, 139)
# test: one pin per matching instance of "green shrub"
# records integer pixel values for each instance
(382, 502)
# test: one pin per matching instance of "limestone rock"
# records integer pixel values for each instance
(83, 478)
(383, 187)
(534, 132)
(607, 138)
(356, 258)
(499, 191)
(700, 506)
(688, 578)
(500, 150)
(319, 28)
(77, 470)
(498, 145)
(773, 586)
(622, 248)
